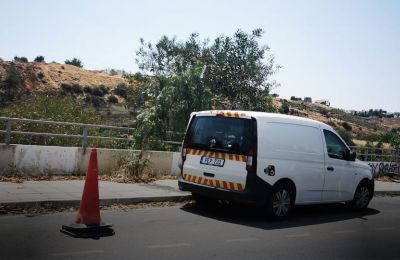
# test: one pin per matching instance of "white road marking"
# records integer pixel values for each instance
(299, 235)
(169, 245)
(241, 240)
(384, 228)
(79, 253)
(344, 231)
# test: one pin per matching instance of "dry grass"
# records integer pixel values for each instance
(57, 73)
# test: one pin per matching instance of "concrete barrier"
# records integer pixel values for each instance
(55, 160)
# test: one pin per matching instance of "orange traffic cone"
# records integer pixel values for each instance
(88, 222)
(89, 209)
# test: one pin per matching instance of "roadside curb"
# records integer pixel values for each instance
(125, 201)
(103, 202)
(387, 193)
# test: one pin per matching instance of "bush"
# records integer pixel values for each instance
(87, 99)
(20, 59)
(77, 89)
(104, 89)
(113, 99)
(87, 90)
(39, 59)
(135, 166)
(121, 90)
(97, 92)
(66, 87)
(96, 101)
(12, 84)
(40, 75)
(347, 126)
(284, 109)
(75, 62)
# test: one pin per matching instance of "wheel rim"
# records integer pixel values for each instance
(281, 203)
(362, 197)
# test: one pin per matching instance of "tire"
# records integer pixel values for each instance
(280, 202)
(362, 196)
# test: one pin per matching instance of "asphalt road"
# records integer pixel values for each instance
(194, 232)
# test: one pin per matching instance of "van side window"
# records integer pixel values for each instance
(336, 148)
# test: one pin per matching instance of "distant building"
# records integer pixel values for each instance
(295, 98)
(323, 102)
(308, 99)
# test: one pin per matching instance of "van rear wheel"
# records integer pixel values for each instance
(280, 203)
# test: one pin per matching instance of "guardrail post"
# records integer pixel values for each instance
(84, 138)
(8, 132)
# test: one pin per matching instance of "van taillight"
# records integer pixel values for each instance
(249, 163)
(184, 150)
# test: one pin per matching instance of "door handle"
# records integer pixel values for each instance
(330, 169)
(207, 174)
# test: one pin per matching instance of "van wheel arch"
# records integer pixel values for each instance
(358, 202)
(280, 200)
(289, 182)
(369, 184)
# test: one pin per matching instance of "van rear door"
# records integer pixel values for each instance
(217, 148)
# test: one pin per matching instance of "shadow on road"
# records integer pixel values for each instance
(301, 215)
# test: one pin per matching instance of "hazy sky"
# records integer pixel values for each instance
(345, 51)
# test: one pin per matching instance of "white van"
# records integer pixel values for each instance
(276, 161)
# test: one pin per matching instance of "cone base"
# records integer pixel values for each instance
(88, 231)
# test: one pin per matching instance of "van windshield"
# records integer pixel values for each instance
(225, 134)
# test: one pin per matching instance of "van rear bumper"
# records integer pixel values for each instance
(256, 191)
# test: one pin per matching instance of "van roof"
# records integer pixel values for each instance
(259, 115)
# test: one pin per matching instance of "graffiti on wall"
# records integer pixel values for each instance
(384, 168)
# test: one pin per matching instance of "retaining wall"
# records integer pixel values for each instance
(55, 160)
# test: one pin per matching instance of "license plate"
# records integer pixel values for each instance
(212, 161)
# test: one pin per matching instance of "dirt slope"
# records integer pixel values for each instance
(47, 76)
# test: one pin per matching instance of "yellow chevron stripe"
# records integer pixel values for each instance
(212, 182)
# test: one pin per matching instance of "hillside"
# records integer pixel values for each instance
(100, 89)
(47, 76)
(358, 127)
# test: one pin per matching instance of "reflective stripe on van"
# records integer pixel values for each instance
(220, 155)
(224, 113)
(214, 183)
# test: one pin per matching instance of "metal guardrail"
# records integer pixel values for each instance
(363, 153)
(377, 154)
(8, 132)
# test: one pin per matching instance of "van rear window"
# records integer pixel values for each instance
(224, 134)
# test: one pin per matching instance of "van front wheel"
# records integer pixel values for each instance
(362, 196)
(280, 203)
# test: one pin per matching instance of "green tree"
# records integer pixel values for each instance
(11, 85)
(39, 59)
(240, 69)
(193, 75)
(20, 59)
(236, 69)
(284, 109)
(75, 62)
